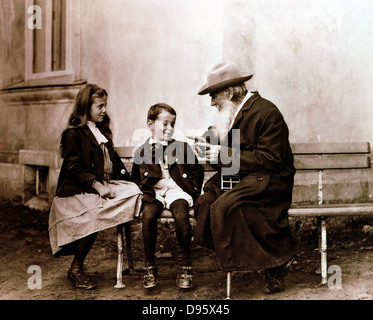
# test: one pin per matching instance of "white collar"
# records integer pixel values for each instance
(151, 141)
(100, 138)
(247, 97)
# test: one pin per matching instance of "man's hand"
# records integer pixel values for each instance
(210, 151)
(103, 190)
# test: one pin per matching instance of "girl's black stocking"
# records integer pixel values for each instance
(82, 247)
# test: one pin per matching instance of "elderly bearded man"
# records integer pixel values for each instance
(247, 225)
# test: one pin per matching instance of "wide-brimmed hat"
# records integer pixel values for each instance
(225, 74)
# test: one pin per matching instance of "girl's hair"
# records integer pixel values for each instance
(82, 107)
(156, 109)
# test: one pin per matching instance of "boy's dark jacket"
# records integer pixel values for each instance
(183, 168)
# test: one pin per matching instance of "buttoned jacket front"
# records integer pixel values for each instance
(182, 163)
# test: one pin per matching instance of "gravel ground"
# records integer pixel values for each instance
(25, 253)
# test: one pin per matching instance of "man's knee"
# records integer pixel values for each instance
(203, 203)
(206, 198)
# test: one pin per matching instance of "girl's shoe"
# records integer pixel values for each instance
(150, 277)
(80, 280)
(184, 278)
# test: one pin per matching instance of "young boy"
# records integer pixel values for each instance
(168, 174)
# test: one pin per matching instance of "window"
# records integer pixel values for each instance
(41, 181)
(35, 182)
(48, 46)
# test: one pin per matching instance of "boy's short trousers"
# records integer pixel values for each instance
(168, 195)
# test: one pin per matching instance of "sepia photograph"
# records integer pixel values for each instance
(189, 151)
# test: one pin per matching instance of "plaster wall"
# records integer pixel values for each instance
(313, 59)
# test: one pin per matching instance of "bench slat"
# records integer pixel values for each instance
(125, 152)
(332, 210)
(297, 148)
(166, 214)
(337, 162)
(330, 147)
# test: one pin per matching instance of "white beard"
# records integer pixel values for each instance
(224, 119)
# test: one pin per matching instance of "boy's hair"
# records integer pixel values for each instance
(156, 109)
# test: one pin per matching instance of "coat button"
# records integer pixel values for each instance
(146, 173)
(184, 175)
(122, 171)
(260, 179)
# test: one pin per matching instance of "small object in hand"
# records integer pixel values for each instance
(201, 150)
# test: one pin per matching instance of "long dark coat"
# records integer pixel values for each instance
(248, 225)
(84, 162)
(183, 168)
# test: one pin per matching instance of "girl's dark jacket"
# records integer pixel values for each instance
(183, 168)
(83, 162)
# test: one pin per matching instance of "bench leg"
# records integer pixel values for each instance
(228, 286)
(127, 229)
(120, 283)
(323, 249)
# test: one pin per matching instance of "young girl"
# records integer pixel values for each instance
(169, 176)
(91, 192)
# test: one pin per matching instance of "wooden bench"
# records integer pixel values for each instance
(318, 164)
(330, 161)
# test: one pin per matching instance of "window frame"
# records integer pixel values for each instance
(29, 52)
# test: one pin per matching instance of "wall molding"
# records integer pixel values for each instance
(41, 95)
